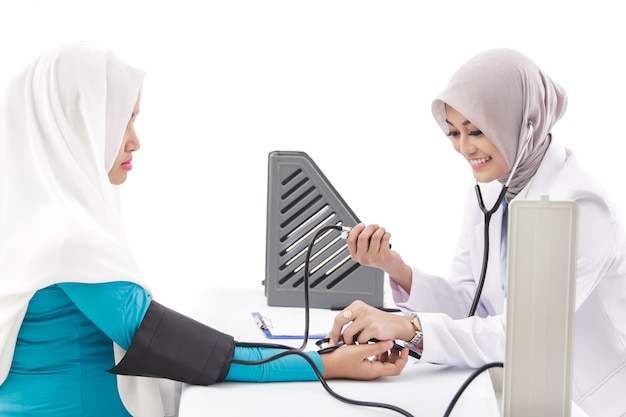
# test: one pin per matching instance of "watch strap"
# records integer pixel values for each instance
(419, 335)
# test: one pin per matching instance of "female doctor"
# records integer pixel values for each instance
(80, 333)
(498, 111)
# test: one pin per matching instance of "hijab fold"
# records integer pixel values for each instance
(62, 122)
(500, 91)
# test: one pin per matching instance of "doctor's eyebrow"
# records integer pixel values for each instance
(465, 123)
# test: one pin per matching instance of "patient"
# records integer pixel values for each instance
(79, 328)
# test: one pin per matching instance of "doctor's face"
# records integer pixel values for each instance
(485, 159)
(130, 143)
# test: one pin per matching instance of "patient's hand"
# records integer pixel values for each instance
(365, 361)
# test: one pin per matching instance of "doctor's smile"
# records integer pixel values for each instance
(479, 163)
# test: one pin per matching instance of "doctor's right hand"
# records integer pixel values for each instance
(369, 246)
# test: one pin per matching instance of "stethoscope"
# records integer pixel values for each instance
(489, 212)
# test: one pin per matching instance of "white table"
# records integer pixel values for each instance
(423, 390)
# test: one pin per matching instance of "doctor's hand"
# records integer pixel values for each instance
(369, 246)
(361, 322)
(364, 362)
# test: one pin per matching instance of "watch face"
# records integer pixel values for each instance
(415, 321)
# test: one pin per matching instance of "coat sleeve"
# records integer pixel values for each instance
(450, 337)
(443, 304)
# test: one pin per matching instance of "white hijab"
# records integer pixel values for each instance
(62, 122)
(500, 91)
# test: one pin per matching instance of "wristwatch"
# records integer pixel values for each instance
(417, 339)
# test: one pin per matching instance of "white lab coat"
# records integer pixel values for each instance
(599, 366)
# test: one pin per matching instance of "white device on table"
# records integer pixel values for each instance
(543, 244)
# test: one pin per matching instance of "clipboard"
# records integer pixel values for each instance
(266, 326)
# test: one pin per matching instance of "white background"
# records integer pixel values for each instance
(348, 82)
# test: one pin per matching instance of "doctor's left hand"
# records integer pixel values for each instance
(360, 322)
(365, 362)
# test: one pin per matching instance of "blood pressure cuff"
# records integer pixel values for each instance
(171, 345)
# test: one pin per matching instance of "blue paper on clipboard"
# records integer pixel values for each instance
(266, 325)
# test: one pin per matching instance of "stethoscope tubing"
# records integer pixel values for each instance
(487, 219)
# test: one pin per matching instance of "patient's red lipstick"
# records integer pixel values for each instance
(127, 165)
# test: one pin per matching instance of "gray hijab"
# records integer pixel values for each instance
(501, 91)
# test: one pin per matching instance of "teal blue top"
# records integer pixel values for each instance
(64, 348)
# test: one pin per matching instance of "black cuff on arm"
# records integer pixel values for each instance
(171, 345)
